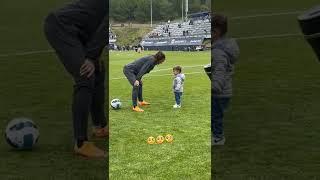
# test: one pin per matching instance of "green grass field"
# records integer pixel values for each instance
(272, 126)
(24, 92)
(188, 157)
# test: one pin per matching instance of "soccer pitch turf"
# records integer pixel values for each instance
(272, 126)
(37, 87)
(188, 157)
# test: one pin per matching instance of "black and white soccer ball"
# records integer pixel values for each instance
(22, 133)
(116, 104)
(207, 69)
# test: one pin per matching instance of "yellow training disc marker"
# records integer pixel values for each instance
(151, 140)
(160, 139)
(169, 138)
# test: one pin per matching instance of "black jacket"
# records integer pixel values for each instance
(88, 20)
(142, 66)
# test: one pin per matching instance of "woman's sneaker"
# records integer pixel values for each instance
(137, 109)
(218, 141)
(89, 150)
(143, 103)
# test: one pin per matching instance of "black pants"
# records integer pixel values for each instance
(89, 93)
(136, 90)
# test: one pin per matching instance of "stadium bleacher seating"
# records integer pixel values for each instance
(190, 28)
(112, 39)
(177, 36)
(112, 36)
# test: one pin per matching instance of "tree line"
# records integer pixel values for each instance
(163, 10)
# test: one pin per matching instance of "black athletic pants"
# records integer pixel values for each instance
(89, 93)
(136, 90)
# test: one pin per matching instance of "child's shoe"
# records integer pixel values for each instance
(218, 141)
(176, 106)
(89, 150)
(137, 109)
(143, 103)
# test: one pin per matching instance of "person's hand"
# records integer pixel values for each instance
(87, 68)
(136, 83)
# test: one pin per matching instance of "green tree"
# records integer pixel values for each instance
(163, 10)
(142, 13)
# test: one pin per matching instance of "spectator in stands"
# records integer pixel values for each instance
(134, 73)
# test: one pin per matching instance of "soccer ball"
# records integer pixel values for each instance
(207, 69)
(22, 133)
(116, 104)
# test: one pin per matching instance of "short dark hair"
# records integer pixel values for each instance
(220, 22)
(159, 56)
(177, 68)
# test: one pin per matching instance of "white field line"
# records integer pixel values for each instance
(184, 67)
(114, 53)
(27, 53)
(266, 15)
(120, 78)
(270, 36)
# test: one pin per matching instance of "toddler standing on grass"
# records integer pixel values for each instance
(225, 52)
(178, 83)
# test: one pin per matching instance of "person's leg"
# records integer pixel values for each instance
(71, 53)
(180, 95)
(82, 100)
(178, 98)
(216, 119)
(135, 92)
(140, 98)
(135, 89)
(98, 100)
(218, 107)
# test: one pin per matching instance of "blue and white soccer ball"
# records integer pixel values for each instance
(22, 133)
(116, 104)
